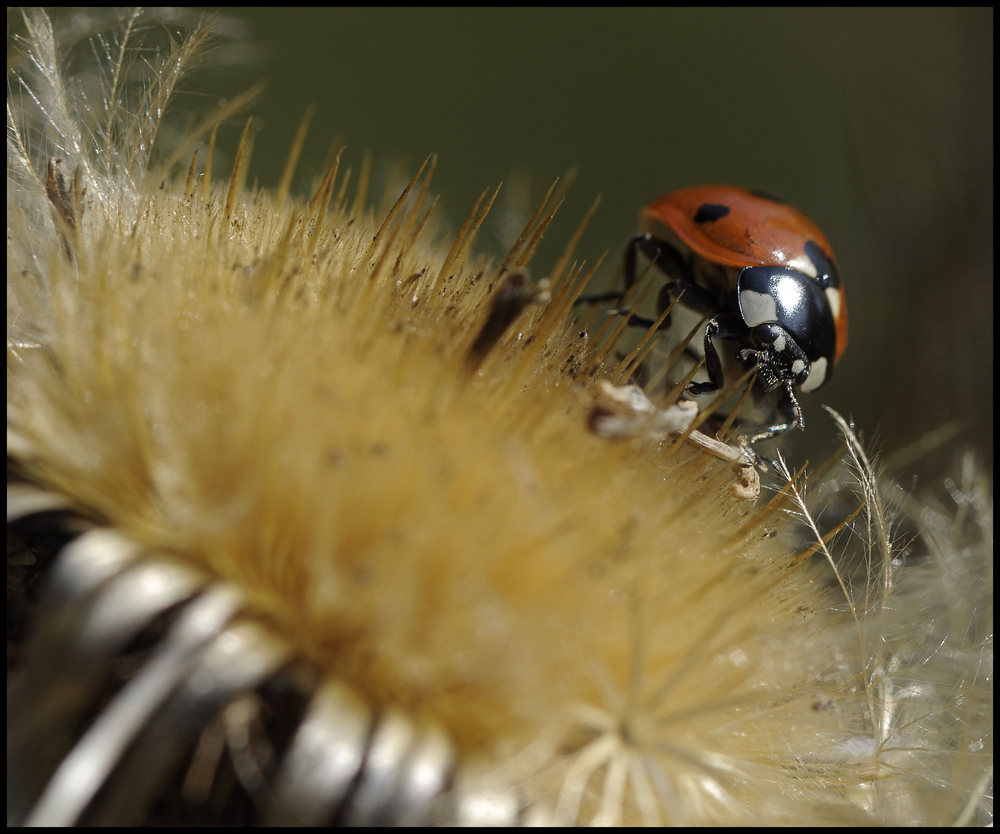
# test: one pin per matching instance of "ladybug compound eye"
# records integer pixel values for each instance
(804, 336)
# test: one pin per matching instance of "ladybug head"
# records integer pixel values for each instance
(778, 358)
(790, 327)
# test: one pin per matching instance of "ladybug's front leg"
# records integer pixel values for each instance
(790, 410)
(723, 326)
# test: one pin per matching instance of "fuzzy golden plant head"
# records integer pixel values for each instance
(394, 456)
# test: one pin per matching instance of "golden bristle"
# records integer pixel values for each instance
(370, 449)
(285, 183)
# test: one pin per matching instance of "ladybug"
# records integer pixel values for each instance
(766, 275)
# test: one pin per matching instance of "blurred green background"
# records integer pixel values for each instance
(876, 123)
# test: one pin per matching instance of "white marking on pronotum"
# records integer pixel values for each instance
(833, 299)
(758, 307)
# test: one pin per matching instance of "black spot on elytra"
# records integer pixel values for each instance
(710, 211)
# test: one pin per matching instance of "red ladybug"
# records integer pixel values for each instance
(768, 277)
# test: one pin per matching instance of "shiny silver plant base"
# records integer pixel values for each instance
(144, 692)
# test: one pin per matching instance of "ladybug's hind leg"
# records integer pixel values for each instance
(665, 256)
(694, 297)
(599, 297)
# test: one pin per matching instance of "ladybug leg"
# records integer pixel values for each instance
(647, 245)
(723, 326)
(662, 254)
(615, 295)
(666, 257)
(599, 297)
(633, 320)
(668, 261)
(790, 410)
(695, 297)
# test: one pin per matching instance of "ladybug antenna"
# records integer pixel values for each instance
(799, 419)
